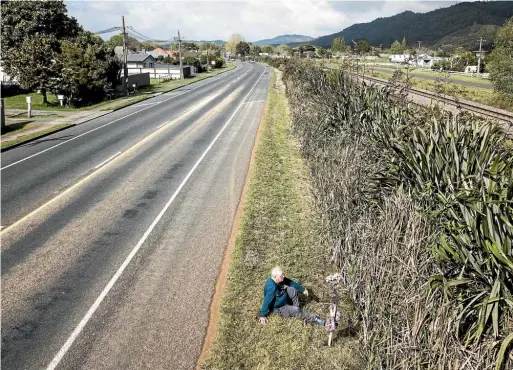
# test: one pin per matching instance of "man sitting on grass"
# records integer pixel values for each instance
(284, 300)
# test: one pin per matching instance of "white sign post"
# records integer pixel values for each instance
(29, 103)
(61, 99)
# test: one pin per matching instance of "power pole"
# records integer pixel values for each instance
(479, 58)
(179, 39)
(418, 53)
(125, 57)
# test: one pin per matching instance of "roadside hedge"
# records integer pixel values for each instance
(417, 208)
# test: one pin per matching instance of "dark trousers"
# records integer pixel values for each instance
(294, 310)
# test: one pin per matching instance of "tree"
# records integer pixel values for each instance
(131, 42)
(219, 62)
(190, 46)
(148, 45)
(88, 69)
(242, 48)
(32, 33)
(267, 49)
(255, 50)
(232, 43)
(396, 48)
(500, 62)
(192, 61)
(338, 45)
(403, 44)
(284, 49)
(321, 52)
(363, 46)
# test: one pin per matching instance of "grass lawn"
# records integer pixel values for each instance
(21, 139)
(424, 72)
(278, 227)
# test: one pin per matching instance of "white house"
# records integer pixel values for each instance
(140, 61)
(427, 61)
(163, 71)
(471, 69)
(399, 58)
(4, 77)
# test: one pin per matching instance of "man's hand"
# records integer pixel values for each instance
(263, 320)
(305, 292)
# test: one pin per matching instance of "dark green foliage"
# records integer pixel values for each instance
(242, 48)
(338, 45)
(31, 38)
(429, 27)
(362, 46)
(501, 60)
(88, 69)
(220, 62)
(48, 51)
(417, 208)
(132, 43)
(193, 61)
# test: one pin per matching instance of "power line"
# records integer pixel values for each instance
(108, 30)
(146, 37)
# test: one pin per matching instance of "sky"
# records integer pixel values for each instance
(253, 19)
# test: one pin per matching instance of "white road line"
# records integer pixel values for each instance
(141, 105)
(58, 357)
(99, 127)
(107, 160)
(255, 101)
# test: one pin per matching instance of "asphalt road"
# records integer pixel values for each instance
(434, 77)
(113, 265)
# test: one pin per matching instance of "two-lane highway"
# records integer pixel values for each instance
(116, 235)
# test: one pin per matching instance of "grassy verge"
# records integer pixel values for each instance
(279, 227)
(127, 103)
(22, 139)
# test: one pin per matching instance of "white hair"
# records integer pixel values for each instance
(277, 271)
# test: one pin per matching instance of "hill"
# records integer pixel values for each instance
(284, 39)
(459, 24)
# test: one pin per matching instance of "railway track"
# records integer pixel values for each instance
(484, 110)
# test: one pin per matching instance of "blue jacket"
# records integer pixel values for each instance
(275, 295)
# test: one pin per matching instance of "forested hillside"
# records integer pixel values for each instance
(460, 25)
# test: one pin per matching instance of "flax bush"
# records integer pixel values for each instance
(417, 210)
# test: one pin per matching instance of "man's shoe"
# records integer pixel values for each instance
(320, 321)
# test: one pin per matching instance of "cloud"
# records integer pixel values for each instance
(253, 19)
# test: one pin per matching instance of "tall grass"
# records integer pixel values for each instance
(417, 209)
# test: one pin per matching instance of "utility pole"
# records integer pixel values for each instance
(179, 39)
(418, 53)
(479, 58)
(125, 57)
